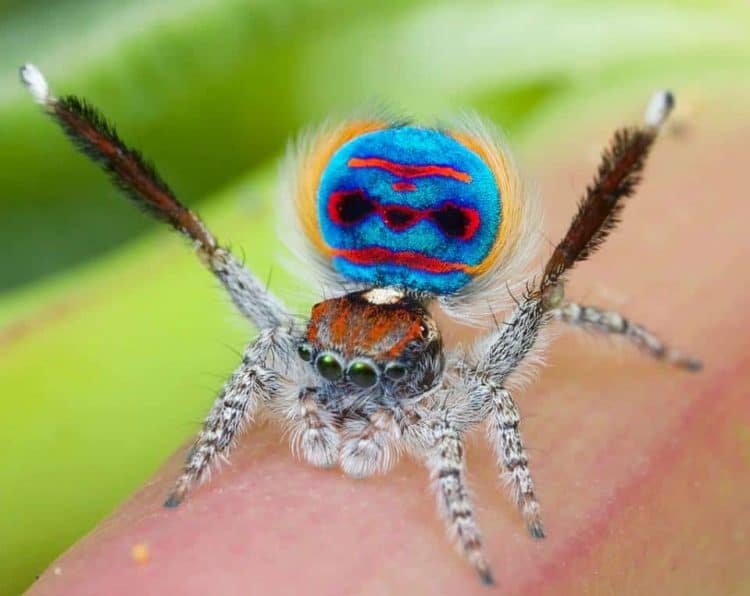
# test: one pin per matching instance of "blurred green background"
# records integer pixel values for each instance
(113, 340)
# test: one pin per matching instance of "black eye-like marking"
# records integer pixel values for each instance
(456, 222)
(349, 207)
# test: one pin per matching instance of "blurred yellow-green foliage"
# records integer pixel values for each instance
(112, 339)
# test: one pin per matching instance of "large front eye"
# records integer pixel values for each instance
(329, 367)
(362, 373)
(455, 221)
(349, 207)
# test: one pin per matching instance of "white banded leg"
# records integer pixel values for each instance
(446, 464)
(368, 445)
(250, 297)
(511, 454)
(252, 383)
(610, 322)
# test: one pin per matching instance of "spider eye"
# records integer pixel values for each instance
(349, 207)
(329, 367)
(456, 222)
(305, 352)
(395, 371)
(362, 374)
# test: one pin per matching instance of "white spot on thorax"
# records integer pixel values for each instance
(383, 296)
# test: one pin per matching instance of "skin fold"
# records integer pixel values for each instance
(641, 469)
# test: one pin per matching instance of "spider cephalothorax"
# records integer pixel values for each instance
(400, 216)
(379, 344)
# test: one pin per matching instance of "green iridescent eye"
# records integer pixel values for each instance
(305, 352)
(362, 374)
(395, 371)
(329, 367)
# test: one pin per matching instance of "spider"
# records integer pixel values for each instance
(394, 218)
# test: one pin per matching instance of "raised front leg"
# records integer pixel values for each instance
(251, 384)
(248, 294)
(598, 213)
(500, 353)
(613, 323)
(141, 183)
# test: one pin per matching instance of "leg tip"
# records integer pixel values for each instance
(34, 81)
(485, 576)
(172, 501)
(536, 529)
(692, 364)
(684, 361)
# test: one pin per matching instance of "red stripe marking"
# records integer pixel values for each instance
(403, 186)
(409, 170)
(414, 260)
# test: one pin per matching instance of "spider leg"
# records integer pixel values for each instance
(446, 464)
(368, 445)
(598, 213)
(600, 208)
(501, 352)
(140, 181)
(506, 438)
(613, 323)
(314, 433)
(253, 383)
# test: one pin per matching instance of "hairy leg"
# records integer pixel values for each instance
(613, 323)
(251, 384)
(446, 464)
(142, 184)
(501, 352)
(511, 453)
(598, 214)
(250, 297)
